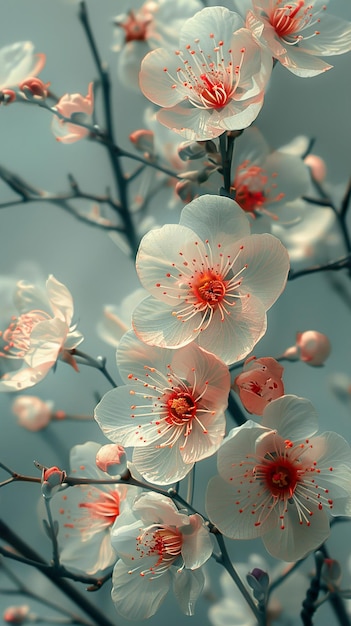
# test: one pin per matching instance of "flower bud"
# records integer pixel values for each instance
(143, 140)
(317, 166)
(186, 190)
(7, 96)
(311, 347)
(16, 614)
(51, 481)
(112, 459)
(34, 88)
(32, 413)
(259, 383)
(190, 150)
(259, 583)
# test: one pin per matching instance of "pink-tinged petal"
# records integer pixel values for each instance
(137, 597)
(158, 78)
(18, 62)
(187, 587)
(267, 268)
(209, 24)
(24, 378)
(295, 418)
(134, 357)
(303, 64)
(295, 540)
(29, 297)
(46, 341)
(238, 440)
(111, 328)
(250, 146)
(197, 545)
(161, 464)
(60, 299)
(165, 261)
(66, 132)
(92, 557)
(232, 338)
(189, 122)
(239, 114)
(159, 509)
(217, 219)
(156, 323)
(334, 37)
(206, 436)
(124, 422)
(291, 176)
(73, 339)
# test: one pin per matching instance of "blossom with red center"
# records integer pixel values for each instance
(280, 481)
(299, 32)
(41, 333)
(209, 279)
(77, 108)
(158, 546)
(155, 23)
(86, 514)
(171, 410)
(259, 383)
(213, 82)
(264, 181)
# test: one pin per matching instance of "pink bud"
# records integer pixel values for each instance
(259, 383)
(317, 166)
(16, 614)
(32, 413)
(112, 459)
(7, 96)
(51, 480)
(143, 140)
(186, 190)
(314, 347)
(34, 88)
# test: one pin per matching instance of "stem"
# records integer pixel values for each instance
(226, 145)
(235, 411)
(99, 363)
(7, 535)
(53, 534)
(342, 263)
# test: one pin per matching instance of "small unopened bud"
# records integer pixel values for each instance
(259, 583)
(112, 459)
(190, 150)
(317, 166)
(51, 480)
(7, 96)
(32, 413)
(311, 347)
(16, 614)
(143, 140)
(34, 88)
(331, 574)
(186, 190)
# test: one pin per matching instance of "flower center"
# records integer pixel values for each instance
(17, 336)
(214, 93)
(105, 507)
(290, 18)
(164, 542)
(135, 26)
(181, 408)
(280, 475)
(209, 289)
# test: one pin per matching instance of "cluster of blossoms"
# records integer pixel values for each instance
(207, 285)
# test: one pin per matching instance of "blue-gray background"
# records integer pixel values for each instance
(98, 273)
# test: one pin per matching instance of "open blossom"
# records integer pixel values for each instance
(280, 481)
(155, 23)
(41, 333)
(259, 383)
(158, 547)
(18, 62)
(171, 409)
(77, 108)
(264, 180)
(213, 81)
(209, 280)
(299, 32)
(86, 513)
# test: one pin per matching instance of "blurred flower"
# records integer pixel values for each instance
(155, 23)
(32, 412)
(17, 614)
(311, 347)
(18, 62)
(117, 320)
(87, 514)
(259, 383)
(279, 482)
(317, 166)
(209, 279)
(177, 413)
(297, 33)
(213, 81)
(39, 335)
(34, 88)
(112, 459)
(158, 547)
(340, 384)
(77, 108)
